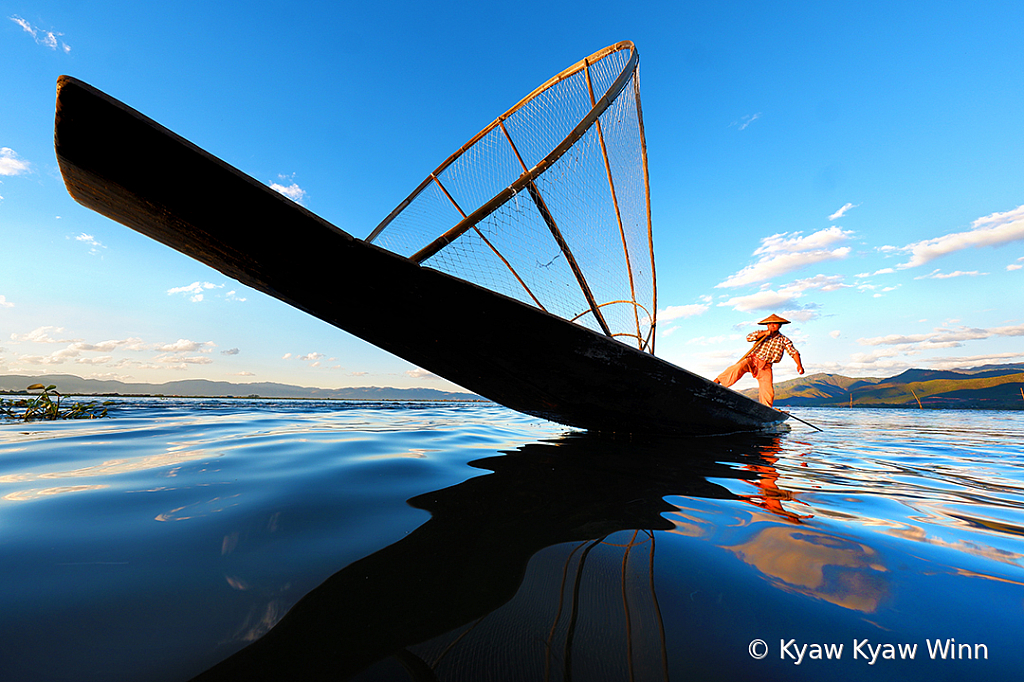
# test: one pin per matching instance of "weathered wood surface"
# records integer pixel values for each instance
(129, 168)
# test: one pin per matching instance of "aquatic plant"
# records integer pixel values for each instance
(44, 406)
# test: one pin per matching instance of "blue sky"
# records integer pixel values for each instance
(855, 167)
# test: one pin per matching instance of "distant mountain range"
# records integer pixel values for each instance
(69, 384)
(996, 387)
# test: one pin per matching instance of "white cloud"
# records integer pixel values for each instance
(55, 358)
(230, 351)
(778, 243)
(842, 211)
(748, 120)
(938, 274)
(990, 230)
(1010, 267)
(675, 312)
(966, 362)
(760, 301)
(835, 334)
(801, 314)
(781, 254)
(770, 299)
(72, 352)
(667, 332)
(292, 191)
(942, 337)
(88, 239)
(195, 290)
(244, 374)
(871, 357)
(180, 361)
(132, 343)
(314, 359)
(11, 163)
(42, 335)
(76, 348)
(100, 360)
(821, 282)
(880, 363)
(773, 266)
(110, 376)
(24, 24)
(4, 303)
(186, 346)
(125, 362)
(91, 241)
(421, 374)
(50, 39)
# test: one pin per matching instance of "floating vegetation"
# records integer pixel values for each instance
(47, 405)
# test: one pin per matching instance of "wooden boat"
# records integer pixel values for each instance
(123, 165)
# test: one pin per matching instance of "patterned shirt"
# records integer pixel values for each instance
(771, 350)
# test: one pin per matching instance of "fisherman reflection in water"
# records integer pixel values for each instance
(759, 359)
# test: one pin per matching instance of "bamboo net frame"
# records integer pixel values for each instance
(550, 203)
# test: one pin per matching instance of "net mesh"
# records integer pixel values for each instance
(549, 204)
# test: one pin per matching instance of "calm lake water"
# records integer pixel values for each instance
(467, 542)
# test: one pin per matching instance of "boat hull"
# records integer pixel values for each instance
(123, 165)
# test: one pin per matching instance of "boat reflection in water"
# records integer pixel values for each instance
(541, 569)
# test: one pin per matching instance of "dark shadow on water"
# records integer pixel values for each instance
(470, 558)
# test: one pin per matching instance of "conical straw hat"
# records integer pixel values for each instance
(774, 318)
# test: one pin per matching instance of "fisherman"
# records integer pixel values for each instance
(759, 359)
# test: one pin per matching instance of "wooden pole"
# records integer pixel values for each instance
(917, 399)
(793, 416)
(647, 194)
(757, 344)
(570, 259)
(615, 204)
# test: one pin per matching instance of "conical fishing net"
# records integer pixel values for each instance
(549, 204)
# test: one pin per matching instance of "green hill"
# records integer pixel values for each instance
(990, 387)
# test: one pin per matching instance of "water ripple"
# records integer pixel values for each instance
(197, 525)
